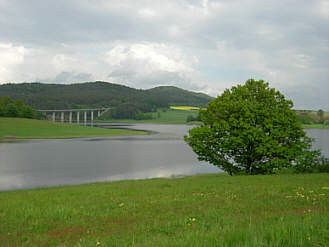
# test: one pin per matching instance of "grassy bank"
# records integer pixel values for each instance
(204, 210)
(315, 126)
(33, 129)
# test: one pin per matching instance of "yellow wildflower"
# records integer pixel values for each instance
(121, 204)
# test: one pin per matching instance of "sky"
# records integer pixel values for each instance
(199, 45)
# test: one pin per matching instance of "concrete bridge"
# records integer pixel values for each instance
(69, 112)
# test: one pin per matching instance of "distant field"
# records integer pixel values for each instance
(163, 116)
(179, 114)
(204, 210)
(39, 129)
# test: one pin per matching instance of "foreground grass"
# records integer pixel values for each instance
(204, 210)
(33, 129)
(162, 117)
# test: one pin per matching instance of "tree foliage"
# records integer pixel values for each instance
(251, 129)
(10, 108)
(320, 113)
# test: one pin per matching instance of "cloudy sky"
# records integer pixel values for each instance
(197, 45)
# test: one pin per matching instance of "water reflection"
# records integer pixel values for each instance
(39, 163)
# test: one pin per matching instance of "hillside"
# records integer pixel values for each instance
(178, 96)
(99, 94)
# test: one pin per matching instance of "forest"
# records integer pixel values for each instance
(126, 102)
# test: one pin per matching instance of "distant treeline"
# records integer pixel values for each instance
(17, 108)
(313, 117)
(125, 102)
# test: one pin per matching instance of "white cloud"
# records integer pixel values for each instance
(147, 13)
(63, 62)
(150, 63)
(323, 8)
(10, 57)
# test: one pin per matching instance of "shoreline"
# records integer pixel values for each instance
(20, 128)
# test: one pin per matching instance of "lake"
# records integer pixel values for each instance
(42, 163)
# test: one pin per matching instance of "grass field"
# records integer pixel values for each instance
(203, 210)
(167, 116)
(34, 129)
(179, 114)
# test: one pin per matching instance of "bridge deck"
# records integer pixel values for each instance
(68, 110)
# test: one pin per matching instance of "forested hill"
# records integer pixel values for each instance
(100, 94)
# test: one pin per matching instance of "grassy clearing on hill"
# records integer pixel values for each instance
(39, 129)
(204, 210)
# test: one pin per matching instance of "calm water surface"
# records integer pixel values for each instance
(40, 163)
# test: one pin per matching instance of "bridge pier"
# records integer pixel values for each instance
(61, 114)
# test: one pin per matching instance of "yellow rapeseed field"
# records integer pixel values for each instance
(185, 108)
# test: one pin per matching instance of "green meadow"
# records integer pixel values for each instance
(38, 129)
(203, 210)
(178, 115)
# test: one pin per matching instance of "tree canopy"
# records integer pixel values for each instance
(252, 129)
(10, 108)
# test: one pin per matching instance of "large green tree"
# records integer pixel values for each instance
(250, 128)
